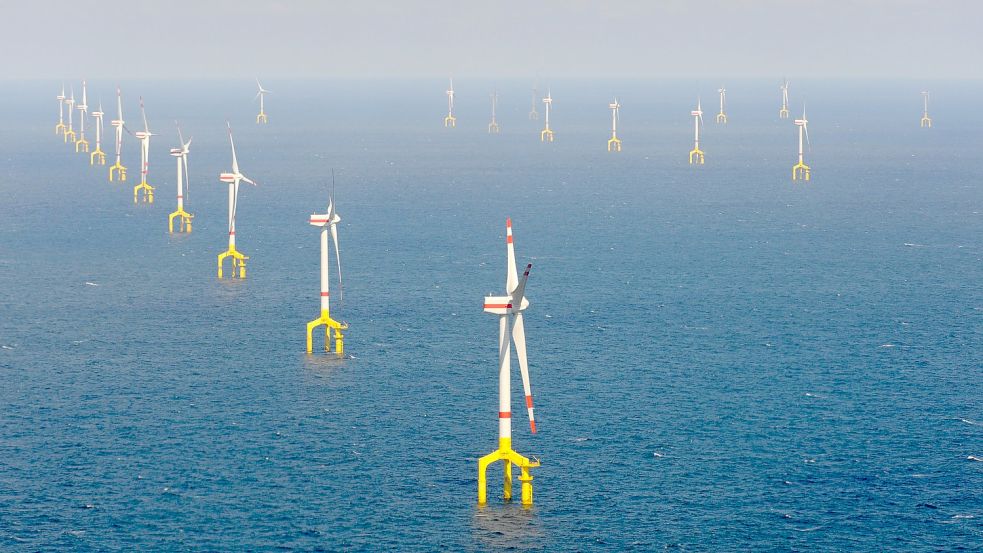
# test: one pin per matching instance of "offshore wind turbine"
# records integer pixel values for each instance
(696, 154)
(801, 171)
(450, 120)
(722, 117)
(144, 137)
(233, 178)
(183, 186)
(614, 143)
(926, 120)
(783, 112)
(82, 145)
(70, 102)
(509, 309)
(261, 116)
(98, 155)
(119, 124)
(533, 114)
(493, 127)
(547, 134)
(60, 127)
(328, 223)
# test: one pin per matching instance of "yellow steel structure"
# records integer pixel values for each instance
(261, 117)
(120, 170)
(146, 189)
(509, 457)
(238, 262)
(185, 224)
(696, 156)
(800, 171)
(97, 156)
(329, 323)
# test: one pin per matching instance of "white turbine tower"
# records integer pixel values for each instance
(509, 309)
(493, 127)
(783, 112)
(82, 145)
(450, 120)
(144, 137)
(696, 154)
(261, 116)
(533, 114)
(183, 186)
(98, 156)
(614, 143)
(329, 224)
(801, 171)
(70, 102)
(233, 179)
(722, 117)
(120, 125)
(60, 127)
(547, 134)
(926, 120)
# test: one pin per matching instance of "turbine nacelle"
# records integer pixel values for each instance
(320, 220)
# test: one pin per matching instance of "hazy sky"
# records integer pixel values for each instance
(554, 38)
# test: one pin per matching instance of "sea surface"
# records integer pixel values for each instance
(721, 359)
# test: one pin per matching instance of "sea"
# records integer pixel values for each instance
(722, 359)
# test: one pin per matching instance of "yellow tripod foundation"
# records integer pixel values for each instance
(82, 145)
(509, 457)
(98, 156)
(238, 262)
(261, 118)
(71, 133)
(800, 171)
(450, 121)
(184, 225)
(614, 144)
(60, 128)
(696, 156)
(546, 135)
(926, 121)
(120, 171)
(147, 190)
(329, 324)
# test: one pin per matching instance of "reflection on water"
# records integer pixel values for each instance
(509, 526)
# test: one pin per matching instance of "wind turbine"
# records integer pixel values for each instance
(82, 145)
(70, 102)
(98, 155)
(547, 134)
(926, 120)
(614, 144)
(493, 127)
(60, 127)
(722, 117)
(696, 154)
(783, 112)
(450, 120)
(261, 116)
(183, 186)
(233, 178)
(801, 171)
(119, 124)
(144, 137)
(533, 114)
(509, 309)
(328, 223)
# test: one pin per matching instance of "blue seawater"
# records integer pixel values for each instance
(722, 360)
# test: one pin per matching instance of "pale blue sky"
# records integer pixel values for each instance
(554, 38)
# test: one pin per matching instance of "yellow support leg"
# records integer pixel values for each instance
(507, 455)
(696, 156)
(261, 118)
(60, 128)
(329, 325)
(120, 172)
(98, 156)
(71, 134)
(82, 145)
(238, 263)
(546, 135)
(450, 121)
(801, 171)
(185, 221)
(614, 145)
(148, 193)
(926, 122)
